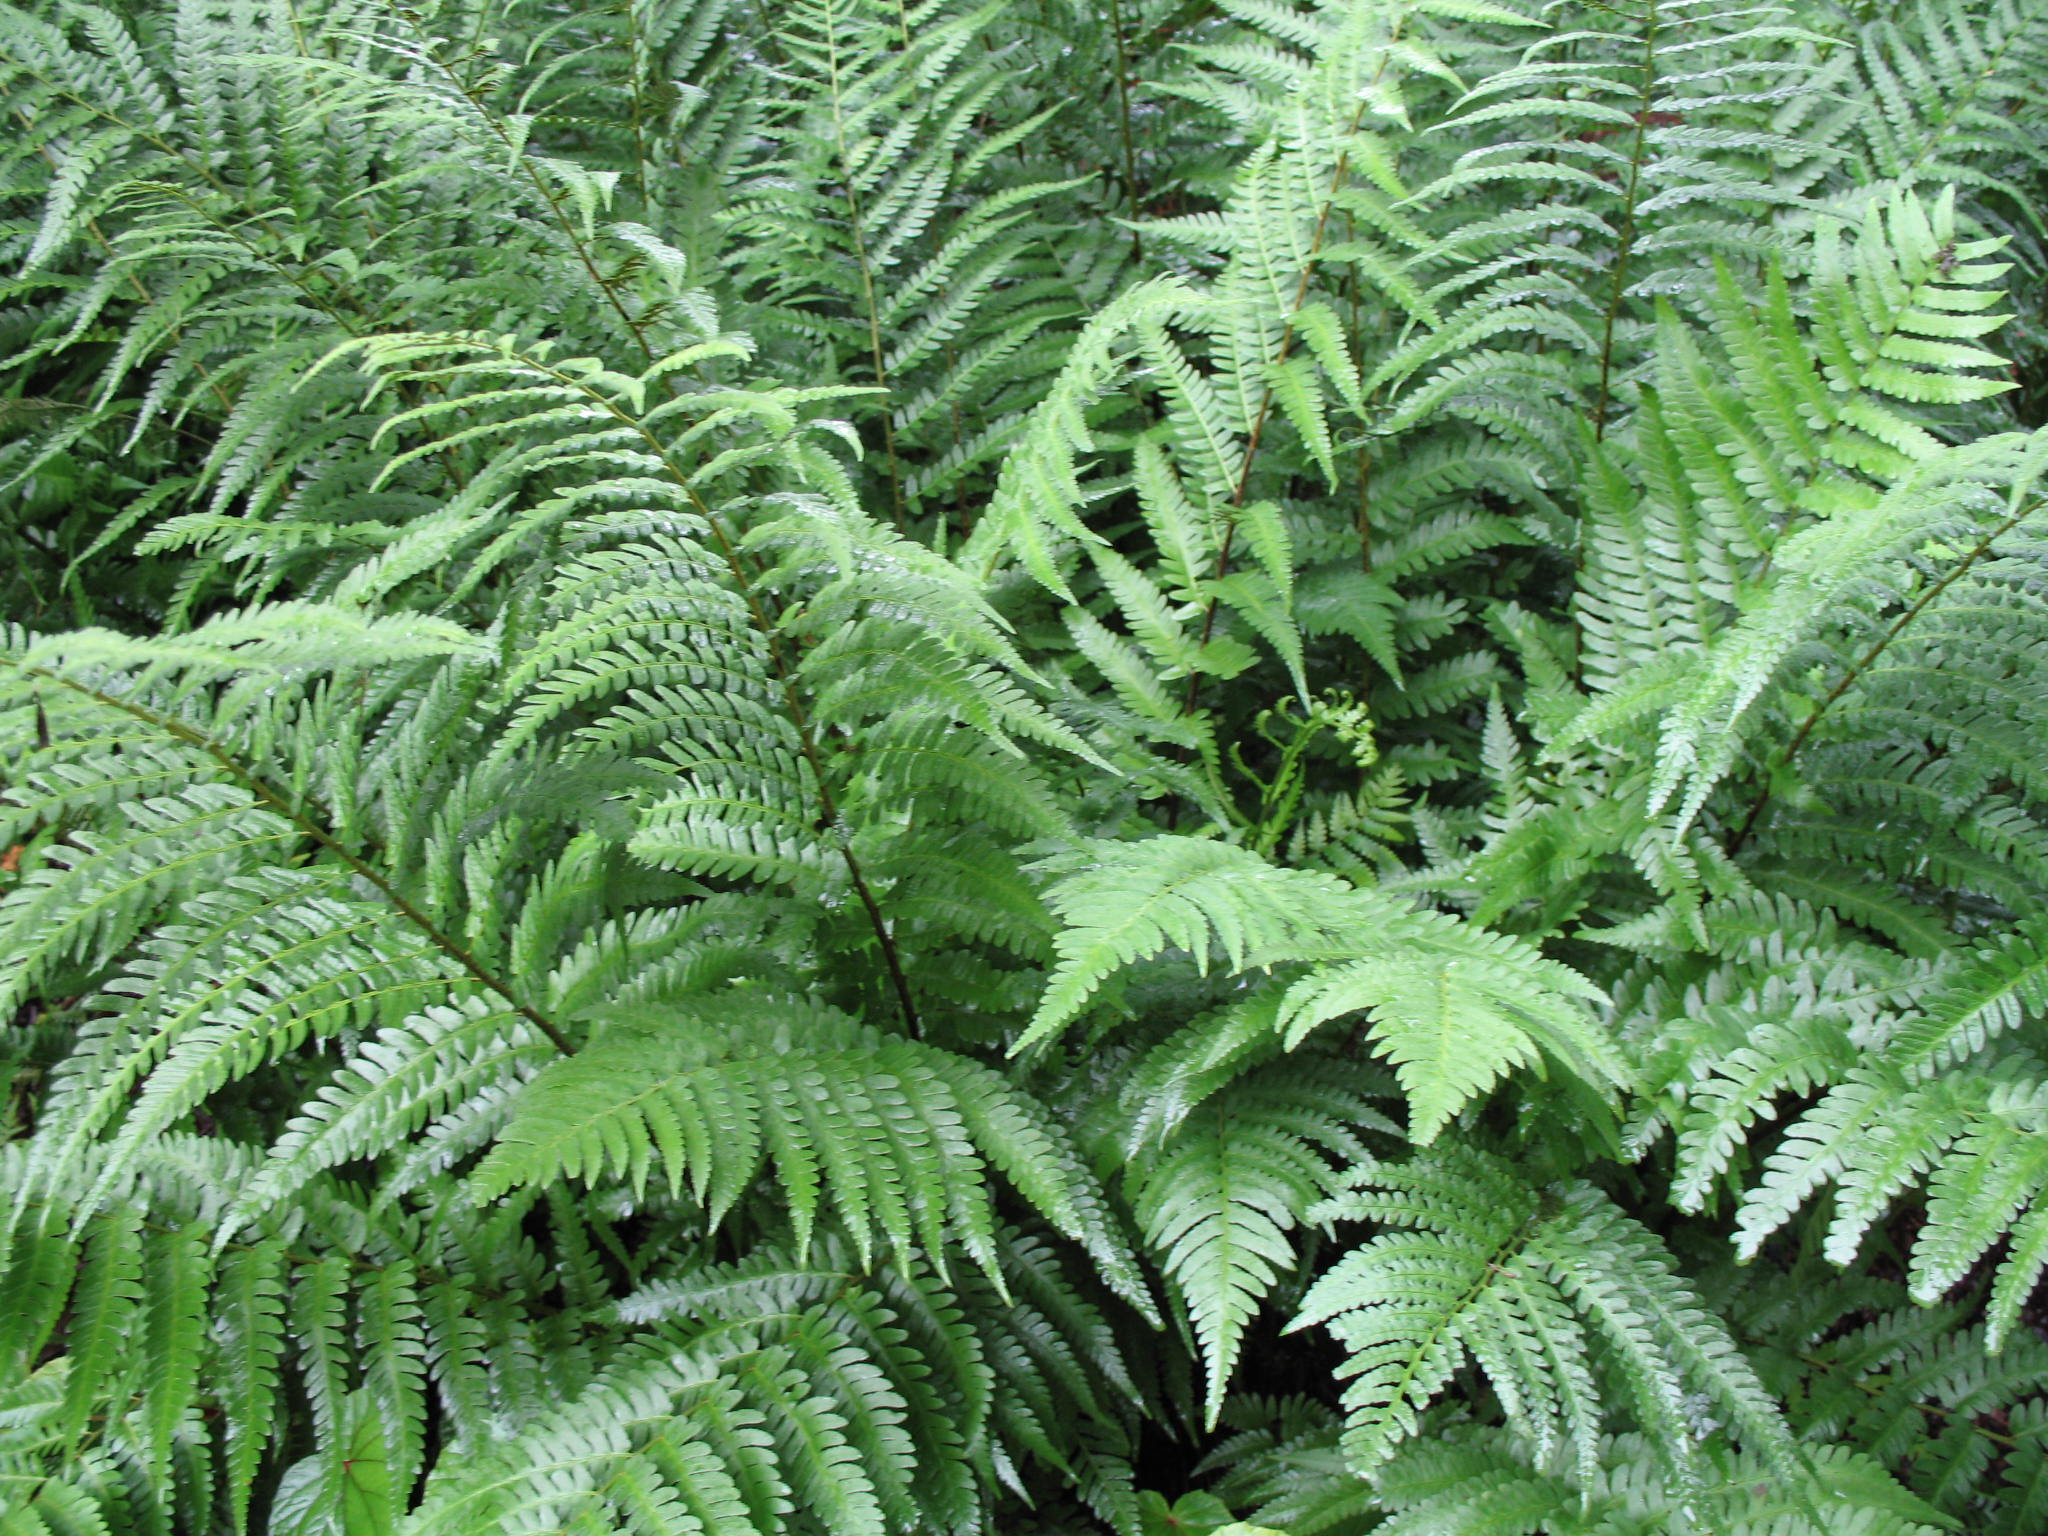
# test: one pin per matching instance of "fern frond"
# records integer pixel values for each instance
(1470, 1249)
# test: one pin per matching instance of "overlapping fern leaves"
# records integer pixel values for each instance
(758, 776)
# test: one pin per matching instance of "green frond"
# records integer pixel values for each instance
(103, 1315)
(889, 1136)
(756, 761)
(1217, 1201)
(247, 1329)
(1474, 1261)
(1186, 893)
(1452, 1007)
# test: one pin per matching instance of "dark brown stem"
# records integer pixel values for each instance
(634, 51)
(1627, 240)
(1123, 101)
(1863, 664)
(1951, 1414)
(1265, 410)
(765, 626)
(901, 982)
(563, 219)
(857, 227)
(277, 801)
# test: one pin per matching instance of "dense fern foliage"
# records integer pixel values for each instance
(870, 767)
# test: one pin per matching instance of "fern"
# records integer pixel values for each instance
(1444, 1012)
(908, 768)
